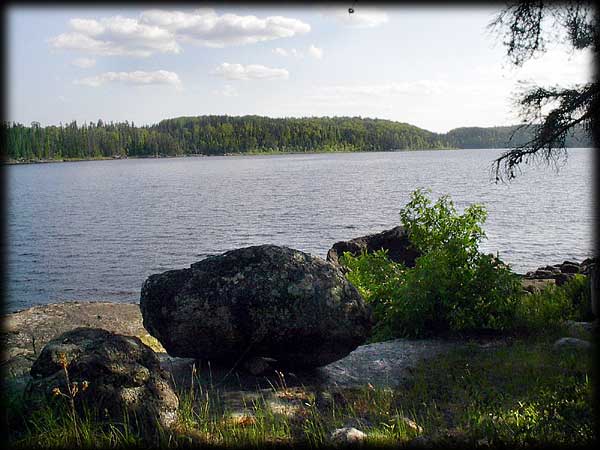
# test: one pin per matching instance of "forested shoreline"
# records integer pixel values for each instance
(220, 135)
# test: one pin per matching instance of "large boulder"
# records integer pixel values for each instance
(113, 374)
(261, 301)
(395, 241)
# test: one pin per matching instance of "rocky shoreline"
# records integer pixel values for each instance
(244, 321)
(25, 333)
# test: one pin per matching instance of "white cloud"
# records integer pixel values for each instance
(206, 27)
(90, 27)
(116, 36)
(137, 77)
(158, 31)
(361, 18)
(250, 72)
(84, 63)
(227, 91)
(315, 52)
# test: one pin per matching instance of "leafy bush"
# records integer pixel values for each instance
(379, 281)
(548, 309)
(544, 311)
(443, 294)
(578, 291)
(452, 288)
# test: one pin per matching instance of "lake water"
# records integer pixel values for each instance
(95, 230)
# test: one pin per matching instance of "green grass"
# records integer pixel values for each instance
(520, 393)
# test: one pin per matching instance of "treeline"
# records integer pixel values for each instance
(218, 135)
(215, 135)
(504, 137)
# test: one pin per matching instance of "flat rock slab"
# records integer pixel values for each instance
(385, 364)
(23, 334)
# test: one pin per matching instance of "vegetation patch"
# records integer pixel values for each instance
(520, 394)
(453, 287)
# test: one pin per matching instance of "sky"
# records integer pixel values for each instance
(434, 67)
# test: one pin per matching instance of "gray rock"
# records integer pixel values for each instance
(347, 435)
(23, 334)
(383, 364)
(571, 343)
(537, 285)
(264, 301)
(121, 374)
(543, 274)
(395, 241)
(587, 265)
(569, 267)
(580, 330)
(562, 278)
(257, 366)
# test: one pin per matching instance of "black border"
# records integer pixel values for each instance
(349, 3)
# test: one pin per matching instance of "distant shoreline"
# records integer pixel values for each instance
(11, 162)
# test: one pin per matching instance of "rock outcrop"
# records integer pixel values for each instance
(24, 333)
(261, 301)
(561, 273)
(395, 241)
(113, 374)
(571, 343)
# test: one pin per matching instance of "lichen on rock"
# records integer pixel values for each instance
(121, 375)
(261, 301)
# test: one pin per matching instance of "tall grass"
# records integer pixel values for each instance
(514, 395)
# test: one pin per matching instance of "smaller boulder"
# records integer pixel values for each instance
(569, 267)
(563, 278)
(113, 374)
(571, 343)
(580, 330)
(347, 435)
(257, 365)
(586, 266)
(542, 274)
(395, 241)
(533, 285)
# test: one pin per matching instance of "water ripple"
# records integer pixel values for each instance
(96, 230)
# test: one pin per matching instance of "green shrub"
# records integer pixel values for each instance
(548, 309)
(544, 311)
(452, 288)
(444, 295)
(578, 291)
(378, 280)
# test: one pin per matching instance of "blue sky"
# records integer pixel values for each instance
(436, 68)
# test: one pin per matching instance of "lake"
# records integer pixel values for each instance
(95, 230)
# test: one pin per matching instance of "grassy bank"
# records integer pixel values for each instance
(518, 392)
